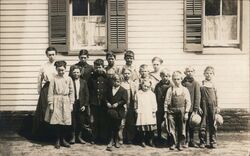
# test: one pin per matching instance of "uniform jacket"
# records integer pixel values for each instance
(86, 70)
(98, 86)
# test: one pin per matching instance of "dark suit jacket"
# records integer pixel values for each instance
(98, 85)
(86, 70)
(83, 93)
(120, 97)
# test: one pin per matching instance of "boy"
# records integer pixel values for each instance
(111, 68)
(144, 75)
(209, 106)
(194, 89)
(129, 56)
(98, 85)
(116, 99)
(160, 92)
(85, 68)
(177, 105)
(81, 112)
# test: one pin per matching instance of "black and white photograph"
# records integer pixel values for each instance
(124, 77)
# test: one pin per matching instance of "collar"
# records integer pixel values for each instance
(188, 79)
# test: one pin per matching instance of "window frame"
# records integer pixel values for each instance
(70, 27)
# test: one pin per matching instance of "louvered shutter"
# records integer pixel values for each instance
(117, 25)
(193, 25)
(58, 24)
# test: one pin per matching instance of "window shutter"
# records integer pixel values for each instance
(193, 25)
(58, 24)
(117, 25)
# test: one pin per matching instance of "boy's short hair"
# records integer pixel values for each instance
(165, 71)
(177, 72)
(143, 66)
(110, 53)
(50, 49)
(129, 53)
(209, 68)
(157, 59)
(115, 77)
(99, 62)
(75, 67)
(189, 67)
(83, 52)
(60, 64)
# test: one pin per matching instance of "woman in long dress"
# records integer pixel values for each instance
(46, 73)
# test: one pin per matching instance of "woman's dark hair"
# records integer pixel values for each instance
(50, 49)
(83, 52)
(60, 64)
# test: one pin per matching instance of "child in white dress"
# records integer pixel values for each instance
(146, 109)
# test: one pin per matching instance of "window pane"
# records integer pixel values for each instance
(97, 7)
(229, 7)
(212, 7)
(80, 7)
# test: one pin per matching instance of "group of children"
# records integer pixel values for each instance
(120, 104)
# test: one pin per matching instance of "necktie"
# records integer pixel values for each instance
(75, 90)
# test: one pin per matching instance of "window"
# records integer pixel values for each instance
(221, 23)
(211, 23)
(95, 25)
(88, 24)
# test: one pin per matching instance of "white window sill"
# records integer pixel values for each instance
(222, 51)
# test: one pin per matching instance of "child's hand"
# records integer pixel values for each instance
(115, 105)
(109, 105)
(186, 116)
(51, 108)
(154, 115)
(217, 110)
(83, 108)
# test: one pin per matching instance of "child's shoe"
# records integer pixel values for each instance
(65, 143)
(143, 144)
(57, 145)
(192, 144)
(151, 143)
(72, 140)
(171, 147)
(202, 145)
(79, 138)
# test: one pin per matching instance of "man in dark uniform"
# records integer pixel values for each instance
(98, 85)
(86, 69)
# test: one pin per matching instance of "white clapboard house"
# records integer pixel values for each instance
(182, 32)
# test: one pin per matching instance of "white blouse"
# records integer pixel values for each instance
(46, 73)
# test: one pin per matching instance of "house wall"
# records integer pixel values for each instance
(155, 28)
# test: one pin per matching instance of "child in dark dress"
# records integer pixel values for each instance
(209, 106)
(160, 92)
(116, 99)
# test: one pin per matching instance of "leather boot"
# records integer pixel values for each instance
(72, 140)
(79, 138)
(109, 147)
(57, 145)
(65, 143)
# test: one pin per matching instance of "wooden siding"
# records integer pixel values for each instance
(155, 28)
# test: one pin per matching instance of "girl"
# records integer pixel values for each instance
(144, 75)
(129, 121)
(146, 109)
(60, 103)
(46, 73)
(157, 62)
(209, 106)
